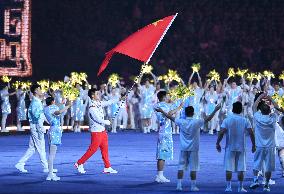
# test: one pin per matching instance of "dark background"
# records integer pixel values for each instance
(73, 35)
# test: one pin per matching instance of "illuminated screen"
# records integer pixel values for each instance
(15, 38)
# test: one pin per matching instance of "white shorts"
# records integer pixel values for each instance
(189, 158)
(235, 161)
(264, 157)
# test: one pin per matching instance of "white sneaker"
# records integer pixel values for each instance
(77, 130)
(266, 188)
(80, 168)
(162, 179)
(20, 129)
(21, 167)
(242, 190)
(228, 189)
(179, 187)
(5, 130)
(52, 177)
(46, 170)
(109, 170)
(194, 188)
(271, 182)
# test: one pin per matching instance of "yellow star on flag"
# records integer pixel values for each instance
(156, 22)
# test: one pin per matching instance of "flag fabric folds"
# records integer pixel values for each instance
(142, 44)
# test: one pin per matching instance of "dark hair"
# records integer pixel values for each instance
(49, 100)
(261, 102)
(161, 94)
(34, 87)
(92, 91)
(189, 111)
(276, 83)
(264, 109)
(237, 107)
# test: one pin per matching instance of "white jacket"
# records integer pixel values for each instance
(96, 114)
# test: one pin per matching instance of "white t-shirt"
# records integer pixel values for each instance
(189, 133)
(236, 126)
(265, 129)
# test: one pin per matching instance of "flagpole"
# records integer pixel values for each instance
(162, 37)
(141, 71)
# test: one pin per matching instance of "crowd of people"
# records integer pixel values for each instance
(233, 107)
(137, 112)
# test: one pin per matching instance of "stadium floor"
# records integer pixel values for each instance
(131, 153)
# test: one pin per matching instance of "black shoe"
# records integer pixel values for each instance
(254, 185)
(266, 188)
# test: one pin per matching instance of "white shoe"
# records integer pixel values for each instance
(110, 171)
(179, 187)
(194, 188)
(271, 182)
(46, 170)
(266, 188)
(5, 130)
(210, 133)
(21, 167)
(80, 168)
(254, 185)
(228, 189)
(20, 129)
(52, 177)
(162, 179)
(242, 190)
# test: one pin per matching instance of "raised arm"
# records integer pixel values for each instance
(190, 78)
(199, 80)
(208, 118)
(225, 83)
(172, 112)
(59, 112)
(254, 107)
(139, 80)
(165, 114)
(154, 77)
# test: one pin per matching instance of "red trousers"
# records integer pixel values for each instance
(99, 140)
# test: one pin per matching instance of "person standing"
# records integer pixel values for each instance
(189, 143)
(265, 123)
(53, 116)
(5, 106)
(280, 142)
(36, 142)
(235, 127)
(21, 108)
(165, 139)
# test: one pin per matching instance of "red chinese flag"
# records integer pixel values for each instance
(141, 44)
